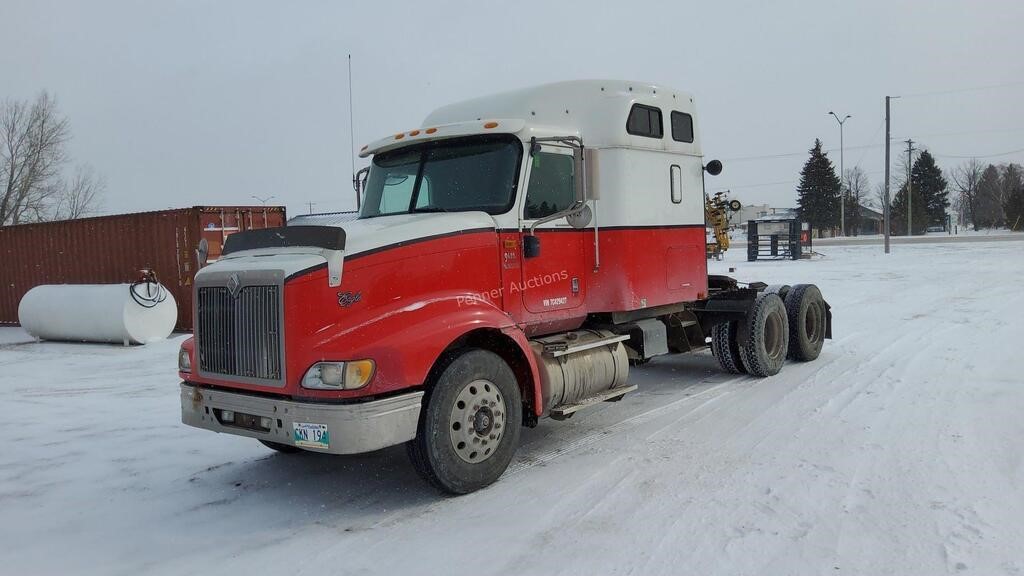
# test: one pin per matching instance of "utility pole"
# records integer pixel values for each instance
(310, 206)
(842, 176)
(910, 150)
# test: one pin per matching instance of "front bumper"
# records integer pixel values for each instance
(353, 428)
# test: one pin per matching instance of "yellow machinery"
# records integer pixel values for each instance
(716, 218)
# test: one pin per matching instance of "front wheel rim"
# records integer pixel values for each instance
(477, 421)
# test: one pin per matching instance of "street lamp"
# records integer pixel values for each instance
(263, 200)
(842, 175)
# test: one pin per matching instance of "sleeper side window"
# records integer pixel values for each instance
(682, 127)
(551, 188)
(644, 121)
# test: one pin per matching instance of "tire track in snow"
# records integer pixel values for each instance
(595, 436)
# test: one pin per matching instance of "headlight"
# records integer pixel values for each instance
(339, 375)
(184, 361)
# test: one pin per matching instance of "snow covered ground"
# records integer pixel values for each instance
(900, 451)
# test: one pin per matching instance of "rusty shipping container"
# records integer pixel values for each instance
(112, 249)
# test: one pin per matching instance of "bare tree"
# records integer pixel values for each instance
(854, 197)
(32, 138)
(877, 201)
(79, 196)
(965, 182)
(857, 185)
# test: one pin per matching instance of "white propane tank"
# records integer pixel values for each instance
(99, 312)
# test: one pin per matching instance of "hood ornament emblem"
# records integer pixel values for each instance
(234, 285)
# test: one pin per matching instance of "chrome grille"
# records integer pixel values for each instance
(240, 336)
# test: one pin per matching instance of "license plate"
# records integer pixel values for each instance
(311, 435)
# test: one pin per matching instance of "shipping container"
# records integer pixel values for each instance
(113, 249)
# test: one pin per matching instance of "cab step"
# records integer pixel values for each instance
(567, 410)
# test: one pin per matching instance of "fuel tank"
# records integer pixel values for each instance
(575, 366)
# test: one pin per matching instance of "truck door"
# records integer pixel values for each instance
(554, 280)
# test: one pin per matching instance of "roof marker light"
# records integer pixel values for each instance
(399, 136)
(414, 133)
(430, 130)
(490, 125)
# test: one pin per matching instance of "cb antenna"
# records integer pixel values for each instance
(352, 134)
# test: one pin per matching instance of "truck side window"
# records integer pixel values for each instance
(682, 127)
(551, 186)
(644, 121)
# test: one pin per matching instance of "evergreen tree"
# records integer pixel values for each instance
(1013, 208)
(927, 178)
(818, 192)
(898, 213)
(1010, 181)
(988, 210)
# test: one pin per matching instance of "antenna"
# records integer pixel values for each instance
(352, 133)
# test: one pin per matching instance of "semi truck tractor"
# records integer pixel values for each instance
(513, 257)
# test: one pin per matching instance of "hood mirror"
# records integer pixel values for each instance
(203, 252)
(580, 218)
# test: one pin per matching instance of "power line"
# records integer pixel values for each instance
(964, 132)
(791, 154)
(873, 136)
(980, 155)
(779, 183)
(961, 90)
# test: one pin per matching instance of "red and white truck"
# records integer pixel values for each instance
(512, 258)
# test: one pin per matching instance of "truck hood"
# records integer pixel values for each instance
(382, 232)
(361, 237)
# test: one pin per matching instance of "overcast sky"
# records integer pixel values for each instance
(186, 103)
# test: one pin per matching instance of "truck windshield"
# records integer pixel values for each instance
(473, 173)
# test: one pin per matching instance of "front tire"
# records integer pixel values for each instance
(470, 424)
(282, 448)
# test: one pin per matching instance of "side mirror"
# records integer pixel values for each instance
(714, 167)
(531, 246)
(203, 252)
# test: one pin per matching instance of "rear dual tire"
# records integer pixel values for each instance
(726, 348)
(767, 328)
(807, 315)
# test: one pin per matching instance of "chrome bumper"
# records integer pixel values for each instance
(353, 428)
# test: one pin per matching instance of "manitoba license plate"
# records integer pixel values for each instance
(311, 435)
